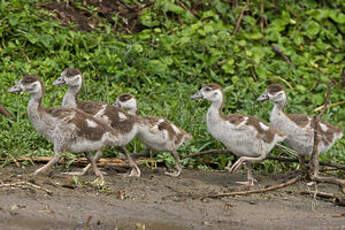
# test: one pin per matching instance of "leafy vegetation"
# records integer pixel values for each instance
(178, 46)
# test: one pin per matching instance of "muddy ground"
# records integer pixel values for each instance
(158, 202)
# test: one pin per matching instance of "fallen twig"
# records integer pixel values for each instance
(285, 81)
(126, 5)
(211, 151)
(195, 13)
(329, 106)
(14, 159)
(338, 200)
(268, 189)
(278, 50)
(262, 21)
(26, 184)
(224, 151)
(5, 113)
(83, 161)
(238, 23)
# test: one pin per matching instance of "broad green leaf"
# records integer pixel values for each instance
(312, 28)
(254, 36)
(337, 17)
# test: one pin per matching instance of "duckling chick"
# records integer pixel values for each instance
(298, 127)
(158, 134)
(244, 135)
(68, 129)
(125, 124)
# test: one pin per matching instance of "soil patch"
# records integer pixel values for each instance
(156, 201)
(88, 14)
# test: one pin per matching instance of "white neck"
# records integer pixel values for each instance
(34, 106)
(70, 98)
(277, 111)
(132, 111)
(279, 106)
(215, 109)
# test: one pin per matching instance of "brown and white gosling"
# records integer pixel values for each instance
(298, 127)
(68, 129)
(125, 124)
(243, 135)
(159, 134)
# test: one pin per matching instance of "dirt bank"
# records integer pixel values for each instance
(156, 201)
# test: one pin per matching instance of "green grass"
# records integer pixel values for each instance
(168, 61)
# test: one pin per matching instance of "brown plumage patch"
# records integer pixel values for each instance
(122, 125)
(266, 135)
(274, 88)
(212, 86)
(235, 119)
(71, 72)
(167, 125)
(112, 112)
(90, 107)
(181, 135)
(328, 136)
(59, 112)
(300, 119)
(125, 97)
(152, 120)
(30, 79)
(79, 120)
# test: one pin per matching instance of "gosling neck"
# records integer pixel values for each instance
(216, 107)
(34, 106)
(70, 99)
(279, 106)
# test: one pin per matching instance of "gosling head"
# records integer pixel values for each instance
(274, 93)
(212, 92)
(126, 101)
(71, 77)
(28, 84)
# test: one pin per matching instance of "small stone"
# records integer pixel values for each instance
(140, 226)
(206, 223)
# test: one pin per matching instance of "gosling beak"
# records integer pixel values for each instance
(14, 89)
(262, 97)
(59, 81)
(196, 96)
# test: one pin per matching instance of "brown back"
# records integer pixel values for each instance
(90, 107)
(167, 125)
(266, 135)
(122, 125)
(328, 136)
(79, 120)
(300, 119)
